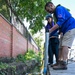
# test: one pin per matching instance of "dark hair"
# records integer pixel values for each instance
(48, 16)
(47, 4)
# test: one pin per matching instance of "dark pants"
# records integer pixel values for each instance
(53, 49)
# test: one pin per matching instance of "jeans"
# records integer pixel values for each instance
(53, 49)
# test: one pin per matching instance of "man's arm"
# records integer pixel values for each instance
(53, 28)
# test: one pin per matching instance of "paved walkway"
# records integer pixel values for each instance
(69, 71)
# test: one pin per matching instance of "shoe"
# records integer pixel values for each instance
(54, 64)
(61, 66)
(48, 63)
(51, 65)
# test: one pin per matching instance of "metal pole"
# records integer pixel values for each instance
(46, 52)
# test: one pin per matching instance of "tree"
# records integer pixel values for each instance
(39, 40)
(32, 10)
(4, 10)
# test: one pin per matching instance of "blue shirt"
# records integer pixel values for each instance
(64, 19)
(48, 26)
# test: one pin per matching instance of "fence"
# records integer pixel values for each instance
(14, 39)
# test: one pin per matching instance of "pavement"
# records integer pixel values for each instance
(69, 71)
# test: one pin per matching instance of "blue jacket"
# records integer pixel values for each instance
(64, 19)
(48, 26)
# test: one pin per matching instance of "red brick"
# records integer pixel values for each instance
(12, 42)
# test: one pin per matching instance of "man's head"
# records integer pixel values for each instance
(49, 7)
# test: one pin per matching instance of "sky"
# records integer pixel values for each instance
(70, 4)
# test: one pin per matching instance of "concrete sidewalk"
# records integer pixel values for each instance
(69, 71)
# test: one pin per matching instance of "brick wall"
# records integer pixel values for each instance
(19, 43)
(12, 42)
(5, 38)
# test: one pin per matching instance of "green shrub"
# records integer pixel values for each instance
(29, 56)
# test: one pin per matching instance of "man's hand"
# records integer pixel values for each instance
(53, 28)
(49, 30)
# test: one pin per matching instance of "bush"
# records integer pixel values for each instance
(30, 55)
